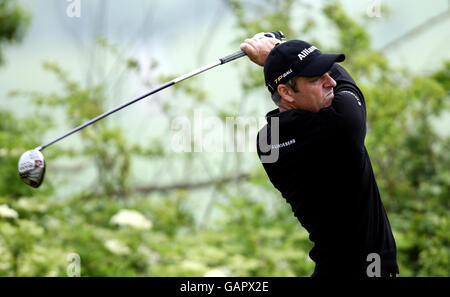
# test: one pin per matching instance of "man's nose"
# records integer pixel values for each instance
(329, 81)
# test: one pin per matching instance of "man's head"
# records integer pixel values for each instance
(297, 75)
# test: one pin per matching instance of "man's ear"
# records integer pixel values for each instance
(286, 93)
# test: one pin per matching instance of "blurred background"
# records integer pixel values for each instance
(119, 198)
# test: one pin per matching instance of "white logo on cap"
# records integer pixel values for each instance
(304, 53)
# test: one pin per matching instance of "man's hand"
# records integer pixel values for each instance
(258, 47)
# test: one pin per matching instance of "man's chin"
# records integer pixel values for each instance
(330, 95)
(329, 99)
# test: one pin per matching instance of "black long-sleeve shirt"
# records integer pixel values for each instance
(321, 167)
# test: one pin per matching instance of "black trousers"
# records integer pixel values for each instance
(355, 272)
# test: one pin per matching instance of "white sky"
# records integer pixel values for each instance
(176, 31)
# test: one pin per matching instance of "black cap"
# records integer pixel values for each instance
(296, 58)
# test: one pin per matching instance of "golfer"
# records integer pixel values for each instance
(321, 165)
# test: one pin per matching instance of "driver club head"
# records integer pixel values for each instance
(32, 168)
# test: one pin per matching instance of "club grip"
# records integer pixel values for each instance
(232, 57)
(278, 35)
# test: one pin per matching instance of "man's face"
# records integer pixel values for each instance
(314, 93)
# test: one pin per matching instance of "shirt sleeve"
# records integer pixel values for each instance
(347, 113)
(350, 115)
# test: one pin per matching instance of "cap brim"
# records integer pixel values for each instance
(321, 64)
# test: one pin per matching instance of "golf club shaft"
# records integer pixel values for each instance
(151, 92)
(229, 58)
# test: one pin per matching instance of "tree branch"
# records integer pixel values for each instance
(193, 185)
(419, 29)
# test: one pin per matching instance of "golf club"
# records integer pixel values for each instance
(32, 164)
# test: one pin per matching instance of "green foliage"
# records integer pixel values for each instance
(443, 76)
(14, 21)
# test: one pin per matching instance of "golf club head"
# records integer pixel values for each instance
(32, 168)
